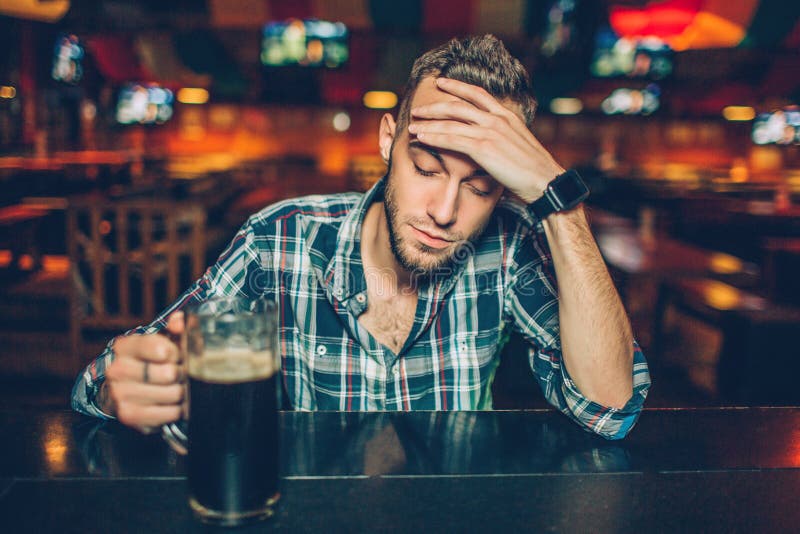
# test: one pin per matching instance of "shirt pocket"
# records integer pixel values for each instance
(477, 351)
(332, 370)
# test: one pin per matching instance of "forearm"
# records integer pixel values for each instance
(596, 337)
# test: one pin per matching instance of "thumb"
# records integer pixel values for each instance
(175, 323)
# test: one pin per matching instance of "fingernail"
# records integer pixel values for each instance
(440, 81)
(412, 128)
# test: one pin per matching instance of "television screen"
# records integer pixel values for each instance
(310, 43)
(144, 104)
(67, 59)
(781, 127)
(615, 56)
(632, 101)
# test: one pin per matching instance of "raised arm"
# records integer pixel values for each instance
(595, 334)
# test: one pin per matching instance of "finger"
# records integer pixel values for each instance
(148, 416)
(460, 111)
(456, 143)
(474, 137)
(128, 393)
(468, 113)
(473, 94)
(446, 127)
(132, 370)
(175, 323)
(151, 347)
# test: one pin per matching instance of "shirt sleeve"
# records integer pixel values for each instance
(531, 305)
(237, 271)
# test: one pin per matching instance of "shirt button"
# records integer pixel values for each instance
(395, 371)
(462, 347)
(338, 292)
(360, 298)
(322, 350)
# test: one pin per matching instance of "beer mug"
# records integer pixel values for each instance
(230, 353)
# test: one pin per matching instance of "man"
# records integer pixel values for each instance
(398, 299)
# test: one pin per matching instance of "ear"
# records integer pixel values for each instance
(386, 135)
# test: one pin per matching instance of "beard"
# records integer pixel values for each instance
(419, 259)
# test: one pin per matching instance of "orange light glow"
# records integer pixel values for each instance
(55, 444)
(380, 99)
(708, 31)
(7, 91)
(192, 95)
(739, 113)
(25, 262)
(722, 296)
(725, 263)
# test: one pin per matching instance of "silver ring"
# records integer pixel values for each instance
(145, 375)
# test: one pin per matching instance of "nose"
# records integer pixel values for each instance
(443, 206)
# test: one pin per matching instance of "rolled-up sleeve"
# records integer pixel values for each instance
(233, 273)
(531, 306)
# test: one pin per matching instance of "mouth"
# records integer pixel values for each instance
(430, 240)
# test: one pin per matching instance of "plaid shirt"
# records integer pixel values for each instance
(305, 253)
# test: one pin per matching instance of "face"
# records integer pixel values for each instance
(436, 201)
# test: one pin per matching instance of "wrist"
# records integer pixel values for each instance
(565, 192)
(566, 222)
(104, 402)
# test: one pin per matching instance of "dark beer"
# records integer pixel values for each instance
(233, 436)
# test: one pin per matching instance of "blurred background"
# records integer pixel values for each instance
(135, 138)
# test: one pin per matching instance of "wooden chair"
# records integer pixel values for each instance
(128, 260)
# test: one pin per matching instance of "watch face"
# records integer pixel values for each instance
(570, 189)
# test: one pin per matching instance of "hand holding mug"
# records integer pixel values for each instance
(144, 385)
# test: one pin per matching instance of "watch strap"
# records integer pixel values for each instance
(545, 205)
(550, 201)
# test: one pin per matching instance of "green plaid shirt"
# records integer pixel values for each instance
(305, 253)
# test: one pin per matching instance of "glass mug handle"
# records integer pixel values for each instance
(175, 436)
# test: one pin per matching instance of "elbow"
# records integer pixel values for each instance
(619, 397)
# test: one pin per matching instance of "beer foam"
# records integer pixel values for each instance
(231, 366)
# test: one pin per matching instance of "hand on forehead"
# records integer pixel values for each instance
(445, 97)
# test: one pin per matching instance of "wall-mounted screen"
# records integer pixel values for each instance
(308, 43)
(780, 127)
(144, 104)
(614, 56)
(67, 59)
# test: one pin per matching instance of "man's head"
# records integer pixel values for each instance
(479, 60)
(438, 200)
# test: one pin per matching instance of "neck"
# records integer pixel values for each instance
(376, 250)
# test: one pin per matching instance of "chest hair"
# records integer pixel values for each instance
(389, 320)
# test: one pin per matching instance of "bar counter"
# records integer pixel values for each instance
(711, 470)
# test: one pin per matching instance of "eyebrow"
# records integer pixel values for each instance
(427, 148)
(479, 173)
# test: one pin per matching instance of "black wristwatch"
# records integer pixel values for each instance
(565, 192)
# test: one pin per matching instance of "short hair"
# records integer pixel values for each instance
(481, 60)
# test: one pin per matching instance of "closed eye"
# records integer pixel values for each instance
(479, 192)
(423, 172)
